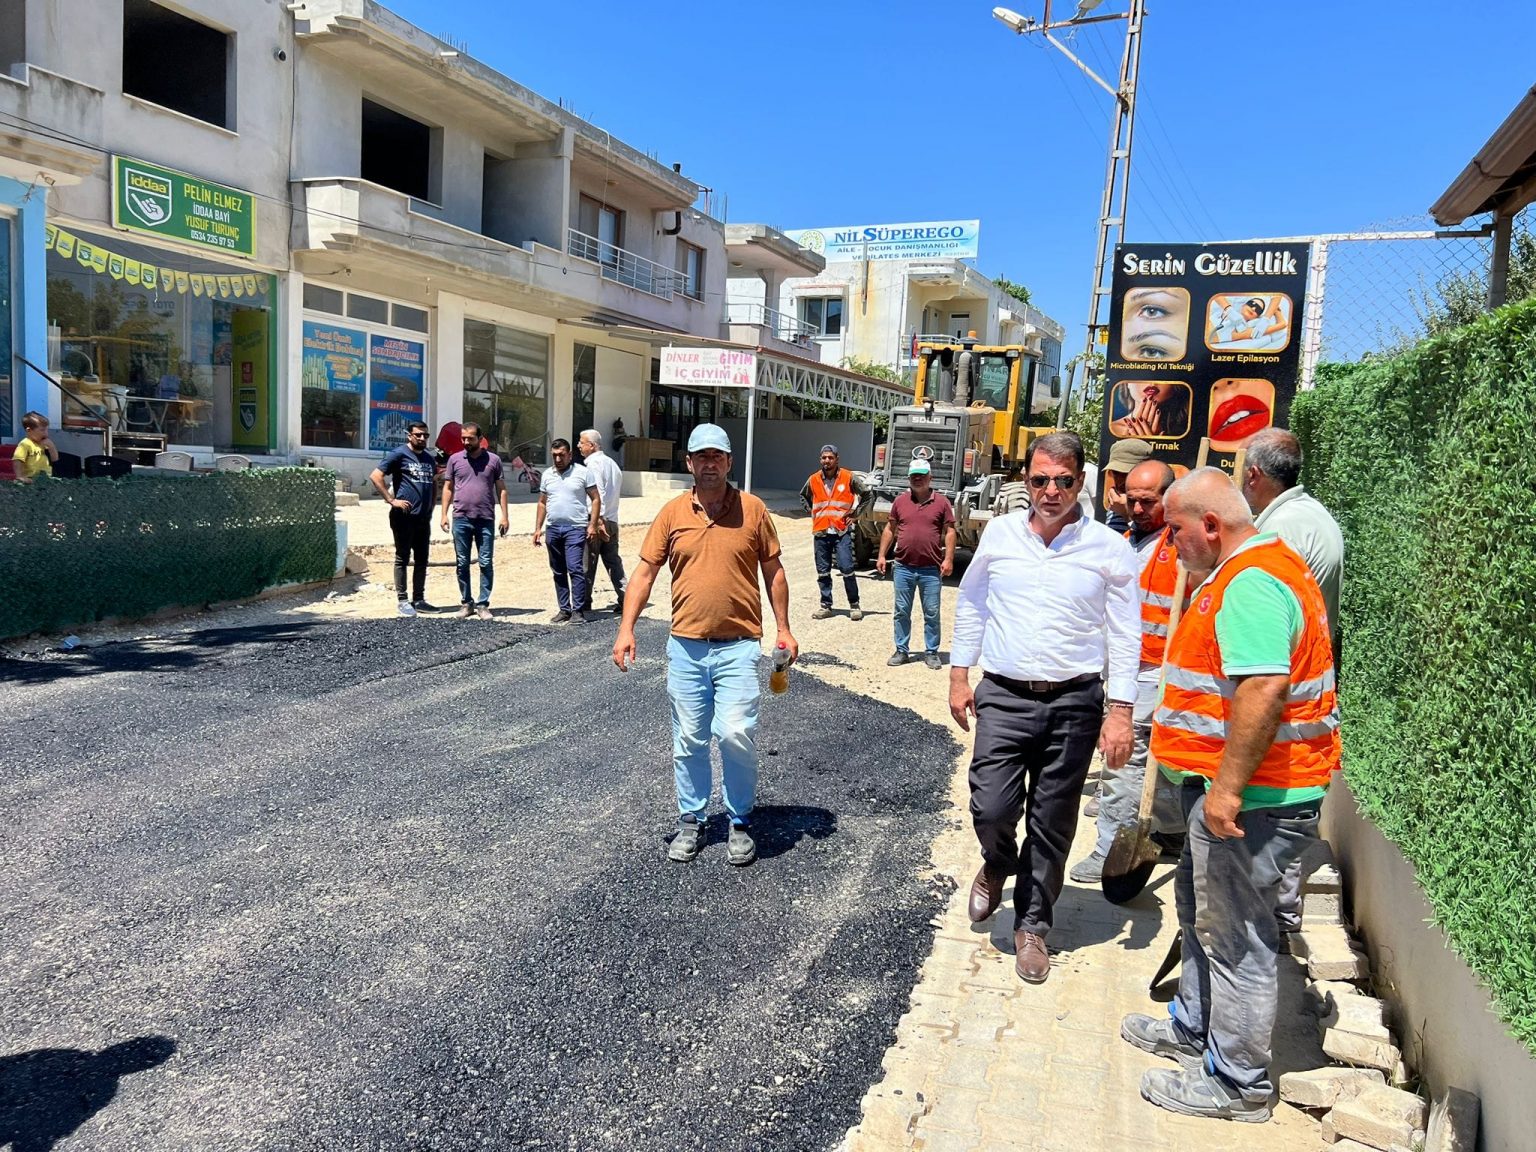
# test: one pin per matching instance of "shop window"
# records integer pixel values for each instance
(178, 63)
(506, 388)
(823, 313)
(158, 341)
(400, 153)
(360, 389)
(690, 262)
(367, 308)
(319, 298)
(583, 389)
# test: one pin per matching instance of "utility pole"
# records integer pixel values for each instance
(1117, 174)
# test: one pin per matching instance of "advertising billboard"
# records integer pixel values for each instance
(1204, 342)
(929, 240)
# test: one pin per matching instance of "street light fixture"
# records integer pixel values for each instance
(1117, 176)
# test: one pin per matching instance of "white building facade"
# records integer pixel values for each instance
(884, 285)
(288, 230)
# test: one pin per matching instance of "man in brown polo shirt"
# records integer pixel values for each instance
(922, 528)
(714, 540)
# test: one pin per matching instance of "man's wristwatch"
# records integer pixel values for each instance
(1121, 704)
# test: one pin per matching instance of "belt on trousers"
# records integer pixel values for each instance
(1040, 687)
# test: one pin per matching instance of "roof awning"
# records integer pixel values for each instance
(1501, 178)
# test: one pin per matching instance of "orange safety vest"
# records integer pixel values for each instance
(1159, 577)
(1189, 729)
(830, 509)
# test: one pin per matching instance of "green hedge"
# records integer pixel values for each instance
(73, 551)
(1429, 462)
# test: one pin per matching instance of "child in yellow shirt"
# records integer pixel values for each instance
(35, 455)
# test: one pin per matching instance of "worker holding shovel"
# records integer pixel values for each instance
(1249, 705)
(1144, 488)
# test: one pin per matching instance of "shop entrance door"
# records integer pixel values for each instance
(250, 411)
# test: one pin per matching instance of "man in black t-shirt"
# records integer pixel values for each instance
(410, 470)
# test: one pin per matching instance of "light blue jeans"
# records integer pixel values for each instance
(924, 582)
(715, 691)
(1225, 894)
(479, 531)
(1121, 794)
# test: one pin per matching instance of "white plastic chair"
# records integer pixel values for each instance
(175, 461)
(231, 463)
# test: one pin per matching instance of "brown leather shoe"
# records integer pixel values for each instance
(1031, 958)
(986, 892)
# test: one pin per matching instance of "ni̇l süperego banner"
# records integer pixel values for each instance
(1204, 341)
(156, 201)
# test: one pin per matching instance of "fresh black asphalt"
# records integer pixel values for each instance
(402, 884)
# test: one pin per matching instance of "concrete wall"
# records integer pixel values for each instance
(1443, 1016)
(786, 452)
(526, 194)
(620, 394)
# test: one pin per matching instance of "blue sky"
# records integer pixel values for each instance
(1255, 120)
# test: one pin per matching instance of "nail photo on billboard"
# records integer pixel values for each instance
(1240, 409)
(1154, 324)
(1150, 409)
(1248, 322)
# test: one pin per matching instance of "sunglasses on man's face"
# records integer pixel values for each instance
(1063, 483)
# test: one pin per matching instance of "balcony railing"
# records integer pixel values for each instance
(625, 267)
(783, 326)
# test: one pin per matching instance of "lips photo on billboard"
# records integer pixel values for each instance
(1240, 409)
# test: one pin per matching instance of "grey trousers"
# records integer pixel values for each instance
(1031, 758)
(1120, 794)
(607, 551)
(1225, 894)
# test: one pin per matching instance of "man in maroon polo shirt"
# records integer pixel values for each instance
(922, 528)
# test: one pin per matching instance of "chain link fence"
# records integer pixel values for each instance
(74, 551)
(1379, 291)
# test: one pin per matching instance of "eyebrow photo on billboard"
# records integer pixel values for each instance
(1240, 409)
(1150, 409)
(1154, 324)
(1252, 322)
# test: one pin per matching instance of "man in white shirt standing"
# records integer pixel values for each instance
(570, 506)
(604, 472)
(1049, 601)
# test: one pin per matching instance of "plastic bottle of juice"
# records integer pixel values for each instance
(778, 682)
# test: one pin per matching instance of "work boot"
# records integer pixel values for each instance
(898, 658)
(1161, 1037)
(933, 660)
(856, 613)
(484, 611)
(560, 617)
(1200, 1093)
(1031, 958)
(689, 839)
(821, 613)
(1088, 870)
(465, 612)
(986, 892)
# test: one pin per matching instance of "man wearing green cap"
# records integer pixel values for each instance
(714, 540)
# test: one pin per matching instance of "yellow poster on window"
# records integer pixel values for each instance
(115, 266)
(83, 253)
(249, 335)
(65, 244)
(237, 285)
(223, 283)
(98, 260)
(181, 281)
(210, 286)
(131, 271)
(50, 236)
(197, 285)
(251, 288)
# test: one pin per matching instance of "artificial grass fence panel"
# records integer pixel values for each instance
(1428, 460)
(74, 551)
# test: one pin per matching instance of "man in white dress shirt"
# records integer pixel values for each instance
(1049, 601)
(609, 478)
